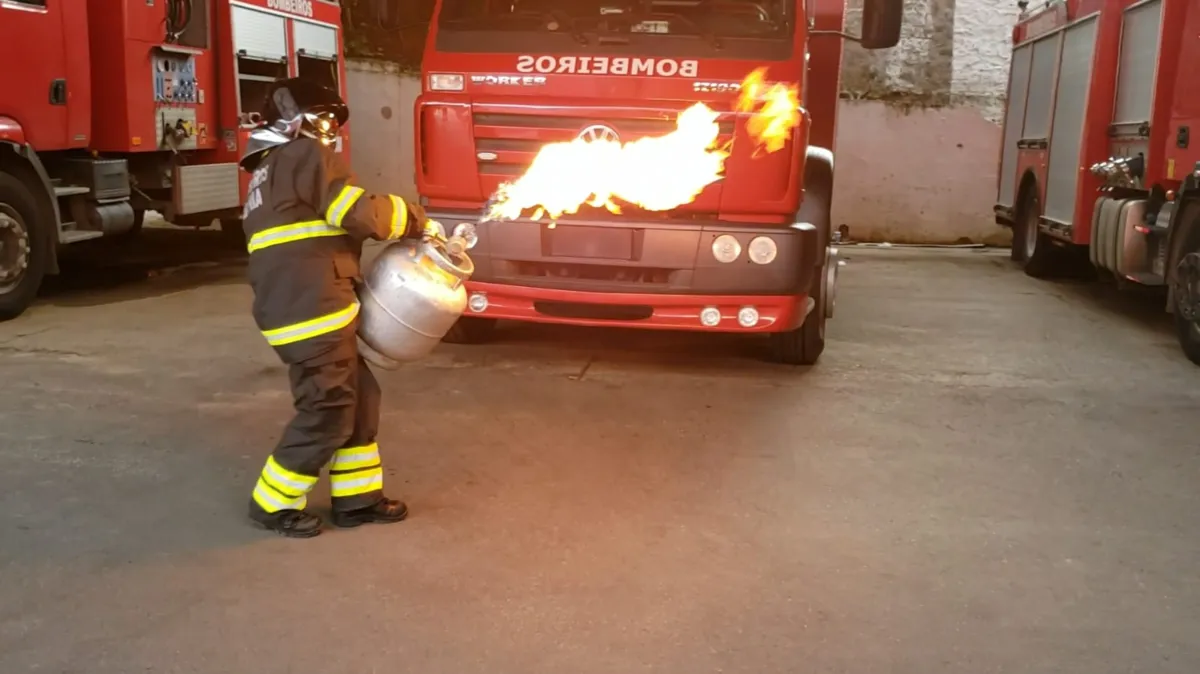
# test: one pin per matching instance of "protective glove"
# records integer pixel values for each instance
(419, 225)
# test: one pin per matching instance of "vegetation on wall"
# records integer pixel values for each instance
(387, 30)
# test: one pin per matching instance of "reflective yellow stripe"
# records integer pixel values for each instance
(295, 232)
(286, 482)
(355, 458)
(322, 325)
(272, 501)
(342, 204)
(399, 217)
(358, 482)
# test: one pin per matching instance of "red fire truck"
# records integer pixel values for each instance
(110, 108)
(753, 253)
(1097, 164)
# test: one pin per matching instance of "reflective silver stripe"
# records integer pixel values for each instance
(354, 458)
(356, 483)
(271, 501)
(294, 232)
(276, 476)
(341, 206)
(321, 325)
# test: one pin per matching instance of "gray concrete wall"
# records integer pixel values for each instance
(381, 126)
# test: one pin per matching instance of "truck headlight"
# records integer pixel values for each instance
(762, 250)
(445, 82)
(726, 248)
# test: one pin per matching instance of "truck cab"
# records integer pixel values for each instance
(502, 81)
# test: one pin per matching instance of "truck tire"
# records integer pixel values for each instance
(470, 330)
(804, 345)
(1187, 302)
(1039, 257)
(24, 247)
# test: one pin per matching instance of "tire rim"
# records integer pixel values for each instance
(1031, 230)
(829, 287)
(14, 248)
(1187, 287)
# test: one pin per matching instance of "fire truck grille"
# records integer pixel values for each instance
(506, 143)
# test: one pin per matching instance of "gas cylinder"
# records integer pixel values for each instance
(411, 294)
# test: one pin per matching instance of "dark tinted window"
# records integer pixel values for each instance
(728, 18)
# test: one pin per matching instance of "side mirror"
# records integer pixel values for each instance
(881, 20)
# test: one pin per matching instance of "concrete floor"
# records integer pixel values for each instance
(985, 473)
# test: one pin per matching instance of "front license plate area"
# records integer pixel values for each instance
(602, 243)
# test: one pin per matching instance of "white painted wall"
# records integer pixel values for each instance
(919, 175)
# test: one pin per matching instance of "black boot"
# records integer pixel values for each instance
(290, 523)
(385, 511)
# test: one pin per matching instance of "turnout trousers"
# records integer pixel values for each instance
(335, 423)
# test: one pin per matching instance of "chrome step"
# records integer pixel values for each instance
(76, 235)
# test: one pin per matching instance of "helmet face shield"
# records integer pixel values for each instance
(322, 125)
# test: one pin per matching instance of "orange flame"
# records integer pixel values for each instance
(772, 124)
(655, 173)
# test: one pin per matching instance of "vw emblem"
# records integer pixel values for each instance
(597, 132)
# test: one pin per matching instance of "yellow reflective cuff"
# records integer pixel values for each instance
(286, 482)
(342, 204)
(274, 236)
(355, 458)
(356, 483)
(399, 217)
(272, 501)
(322, 325)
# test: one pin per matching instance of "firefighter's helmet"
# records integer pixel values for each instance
(295, 107)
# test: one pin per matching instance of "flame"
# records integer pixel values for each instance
(655, 173)
(772, 124)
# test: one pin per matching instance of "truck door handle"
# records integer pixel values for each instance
(58, 92)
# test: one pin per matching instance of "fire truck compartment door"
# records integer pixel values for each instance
(315, 40)
(259, 34)
(204, 188)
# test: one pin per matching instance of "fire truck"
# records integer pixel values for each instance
(1097, 168)
(111, 108)
(752, 253)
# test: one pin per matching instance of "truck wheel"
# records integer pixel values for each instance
(1187, 304)
(24, 248)
(804, 345)
(1039, 257)
(470, 330)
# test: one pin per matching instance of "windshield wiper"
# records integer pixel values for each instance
(707, 35)
(548, 18)
(556, 17)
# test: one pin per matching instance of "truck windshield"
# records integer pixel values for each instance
(679, 28)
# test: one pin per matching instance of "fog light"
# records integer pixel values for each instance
(710, 316)
(477, 303)
(748, 317)
(762, 250)
(726, 248)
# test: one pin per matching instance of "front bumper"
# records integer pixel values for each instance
(653, 274)
(774, 313)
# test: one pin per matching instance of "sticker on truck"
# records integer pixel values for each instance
(606, 65)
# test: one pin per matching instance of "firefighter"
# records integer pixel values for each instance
(305, 222)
